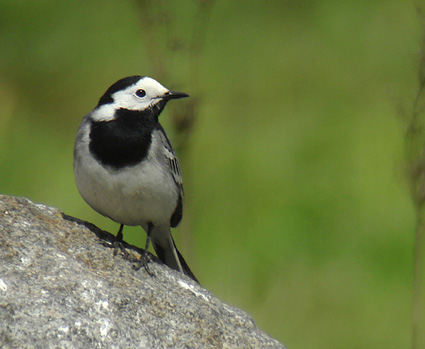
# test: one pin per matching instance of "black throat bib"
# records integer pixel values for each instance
(124, 141)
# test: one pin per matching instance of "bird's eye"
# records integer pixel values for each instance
(140, 93)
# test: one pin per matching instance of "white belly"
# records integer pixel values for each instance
(132, 195)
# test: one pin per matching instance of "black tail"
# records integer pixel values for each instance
(166, 250)
(186, 269)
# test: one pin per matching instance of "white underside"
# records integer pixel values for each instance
(132, 195)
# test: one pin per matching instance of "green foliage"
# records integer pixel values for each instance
(293, 179)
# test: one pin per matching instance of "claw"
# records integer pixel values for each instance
(143, 262)
(118, 243)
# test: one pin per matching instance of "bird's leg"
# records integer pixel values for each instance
(144, 260)
(118, 243)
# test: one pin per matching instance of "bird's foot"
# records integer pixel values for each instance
(143, 262)
(119, 246)
(118, 243)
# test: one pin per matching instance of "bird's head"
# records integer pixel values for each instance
(138, 93)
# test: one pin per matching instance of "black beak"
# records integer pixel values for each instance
(174, 95)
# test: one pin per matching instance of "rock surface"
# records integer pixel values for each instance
(61, 286)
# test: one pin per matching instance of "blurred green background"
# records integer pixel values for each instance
(297, 210)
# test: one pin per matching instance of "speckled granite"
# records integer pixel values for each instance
(61, 286)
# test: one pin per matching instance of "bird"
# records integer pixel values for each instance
(125, 167)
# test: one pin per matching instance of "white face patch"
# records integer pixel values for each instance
(144, 94)
(105, 112)
(149, 91)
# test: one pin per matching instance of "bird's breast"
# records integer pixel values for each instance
(123, 141)
(131, 195)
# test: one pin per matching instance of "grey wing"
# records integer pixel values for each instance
(172, 161)
(174, 167)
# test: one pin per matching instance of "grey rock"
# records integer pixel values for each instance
(61, 287)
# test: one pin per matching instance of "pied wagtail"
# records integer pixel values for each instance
(125, 167)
